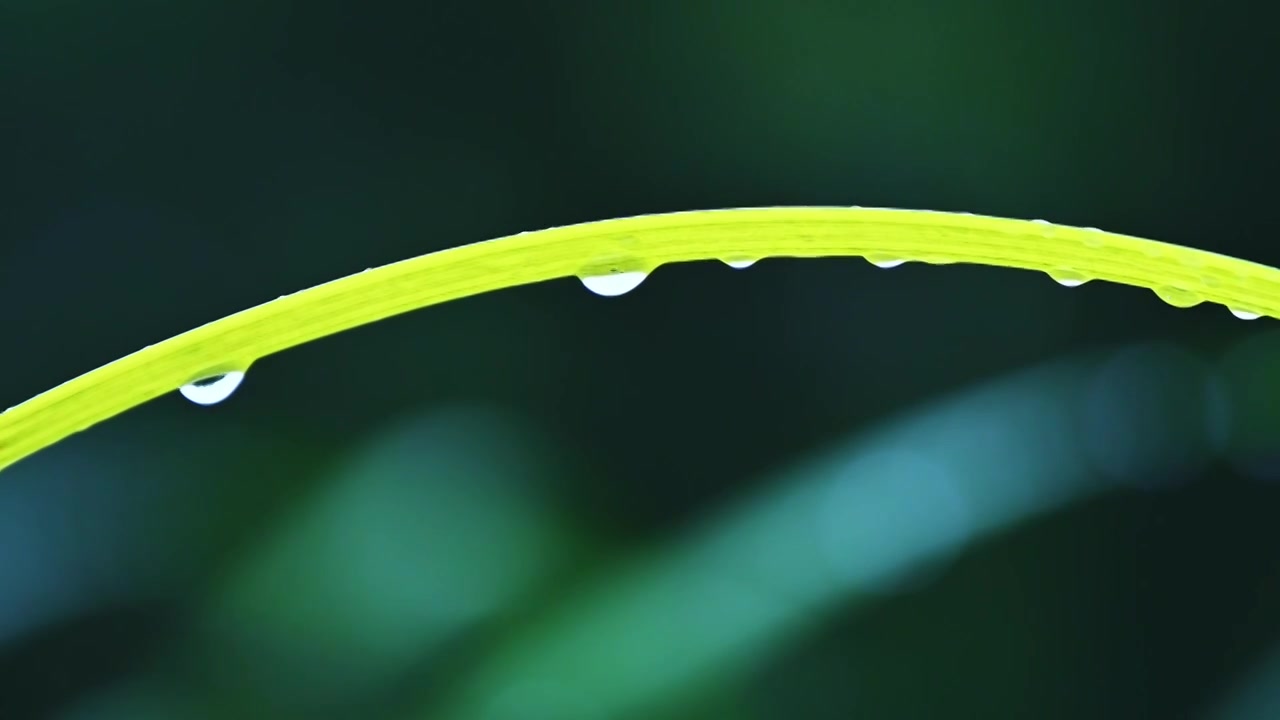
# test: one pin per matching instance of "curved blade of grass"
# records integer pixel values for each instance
(1183, 276)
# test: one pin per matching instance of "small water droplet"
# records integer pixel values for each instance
(1244, 314)
(1178, 297)
(885, 261)
(1050, 230)
(739, 264)
(614, 284)
(1094, 238)
(212, 390)
(1068, 278)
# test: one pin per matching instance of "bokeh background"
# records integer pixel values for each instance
(809, 489)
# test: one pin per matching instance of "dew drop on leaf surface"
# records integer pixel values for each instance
(1068, 278)
(882, 261)
(614, 284)
(212, 390)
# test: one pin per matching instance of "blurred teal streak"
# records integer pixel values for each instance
(865, 519)
(1257, 697)
(1156, 414)
(143, 699)
(98, 521)
(434, 527)
(58, 526)
(1251, 372)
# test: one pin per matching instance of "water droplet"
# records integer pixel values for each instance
(1068, 278)
(212, 390)
(885, 261)
(1050, 230)
(614, 284)
(1244, 314)
(739, 264)
(1178, 297)
(1093, 239)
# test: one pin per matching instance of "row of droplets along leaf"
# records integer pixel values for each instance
(621, 283)
(213, 389)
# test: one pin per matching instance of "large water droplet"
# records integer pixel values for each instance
(1068, 278)
(1244, 314)
(1178, 297)
(885, 261)
(614, 284)
(739, 264)
(212, 390)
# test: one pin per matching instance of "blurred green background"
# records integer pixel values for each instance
(810, 489)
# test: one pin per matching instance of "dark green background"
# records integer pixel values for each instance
(165, 164)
